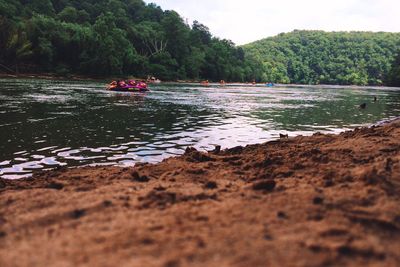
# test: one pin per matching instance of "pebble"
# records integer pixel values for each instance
(266, 185)
(211, 185)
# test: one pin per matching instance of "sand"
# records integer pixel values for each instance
(324, 200)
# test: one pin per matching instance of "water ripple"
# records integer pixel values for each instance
(47, 124)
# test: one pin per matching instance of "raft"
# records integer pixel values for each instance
(129, 89)
(135, 87)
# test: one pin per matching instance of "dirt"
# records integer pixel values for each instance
(324, 200)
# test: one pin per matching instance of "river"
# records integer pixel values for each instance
(47, 124)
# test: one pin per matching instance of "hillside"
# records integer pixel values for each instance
(314, 57)
(113, 37)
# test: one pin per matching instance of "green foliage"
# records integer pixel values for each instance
(14, 46)
(394, 75)
(314, 57)
(9, 8)
(44, 7)
(69, 14)
(117, 37)
(111, 48)
(129, 37)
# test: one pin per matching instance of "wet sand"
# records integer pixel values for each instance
(324, 200)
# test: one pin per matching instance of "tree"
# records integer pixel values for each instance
(163, 65)
(394, 74)
(111, 49)
(14, 46)
(194, 62)
(200, 33)
(176, 34)
(9, 8)
(44, 7)
(151, 37)
(69, 14)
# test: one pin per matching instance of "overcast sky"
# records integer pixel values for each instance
(244, 21)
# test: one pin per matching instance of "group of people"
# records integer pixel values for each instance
(205, 83)
(128, 84)
(153, 79)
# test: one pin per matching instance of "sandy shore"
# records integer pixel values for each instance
(323, 200)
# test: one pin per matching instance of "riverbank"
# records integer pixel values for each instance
(48, 76)
(74, 77)
(324, 200)
(52, 76)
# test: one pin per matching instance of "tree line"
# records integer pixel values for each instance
(129, 37)
(394, 74)
(317, 57)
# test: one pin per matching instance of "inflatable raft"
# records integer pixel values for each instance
(134, 87)
(129, 89)
(269, 84)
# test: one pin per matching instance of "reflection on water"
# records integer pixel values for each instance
(45, 124)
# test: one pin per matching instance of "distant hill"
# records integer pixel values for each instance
(317, 57)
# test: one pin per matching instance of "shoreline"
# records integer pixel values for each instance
(73, 77)
(49, 76)
(52, 76)
(382, 122)
(318, 200)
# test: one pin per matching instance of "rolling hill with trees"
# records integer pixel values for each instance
(317, 57)
(113, 37)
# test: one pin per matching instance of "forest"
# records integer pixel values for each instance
(394, 74)
(317, 57)
(114, 37)
(105, 38)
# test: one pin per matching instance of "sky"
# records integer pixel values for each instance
(246, 21)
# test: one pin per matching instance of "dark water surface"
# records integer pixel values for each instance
(45, 124)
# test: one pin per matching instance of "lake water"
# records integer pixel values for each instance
(46, 124)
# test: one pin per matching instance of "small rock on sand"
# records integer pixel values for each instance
(139, 178)
(211, 185)
(267, 185)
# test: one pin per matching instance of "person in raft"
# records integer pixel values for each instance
(112, 85)
(132, 83)
(121, 84)
(142, 84)
(204, 83)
